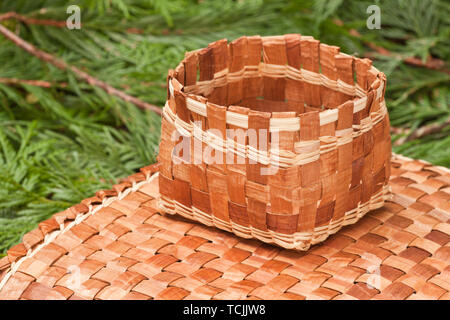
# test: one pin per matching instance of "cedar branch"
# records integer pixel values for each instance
(42, 22)
(419, 132)
(428, 129)
(61, 64)
(430, 63)
(37, 83)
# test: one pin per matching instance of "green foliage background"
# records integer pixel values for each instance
(59, 145)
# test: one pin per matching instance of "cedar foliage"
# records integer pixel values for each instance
(59, 145)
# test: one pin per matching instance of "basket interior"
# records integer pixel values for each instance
(290, 73)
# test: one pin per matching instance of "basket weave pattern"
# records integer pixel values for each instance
(328, 139)
(116, 245)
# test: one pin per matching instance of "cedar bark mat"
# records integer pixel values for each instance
(287, 139)
(116, 245)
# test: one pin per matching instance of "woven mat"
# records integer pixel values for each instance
(117, 246)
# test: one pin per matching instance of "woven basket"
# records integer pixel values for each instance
(280, 138)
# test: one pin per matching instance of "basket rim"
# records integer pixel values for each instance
(197, 102)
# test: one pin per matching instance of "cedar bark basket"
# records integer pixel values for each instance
(328, 139)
